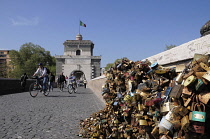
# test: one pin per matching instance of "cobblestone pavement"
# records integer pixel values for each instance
(54, 117)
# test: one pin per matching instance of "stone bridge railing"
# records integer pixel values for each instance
(96, 86)
(10, 86)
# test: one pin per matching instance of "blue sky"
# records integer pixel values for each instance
(135, 29)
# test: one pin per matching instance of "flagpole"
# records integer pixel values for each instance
(79, 26)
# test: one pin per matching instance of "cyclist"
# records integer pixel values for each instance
(72, 80)
(42, 72)
(61, 80)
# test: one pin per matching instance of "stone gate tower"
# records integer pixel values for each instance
(78, 59)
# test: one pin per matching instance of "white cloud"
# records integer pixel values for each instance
(22, 21)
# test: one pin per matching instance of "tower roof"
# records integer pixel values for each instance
(79, 37)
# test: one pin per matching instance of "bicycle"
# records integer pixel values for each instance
(35, 88)
(72, 88)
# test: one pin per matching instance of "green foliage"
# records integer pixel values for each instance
(109, 65)
(26, 59)
(3, 70)
(169, 47)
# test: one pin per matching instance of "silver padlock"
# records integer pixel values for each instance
(166, 124)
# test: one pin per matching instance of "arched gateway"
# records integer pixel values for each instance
(79, 74)
(78, 58)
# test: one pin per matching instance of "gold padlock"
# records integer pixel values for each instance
(207, 75)
(143, 122)
(185, 123)
(204, 66)
(155, 132)
(140, 107)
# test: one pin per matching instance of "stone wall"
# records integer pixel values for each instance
(96, 86)
(10, 86)
(183, 52)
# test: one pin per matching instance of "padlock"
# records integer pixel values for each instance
(198, 127)
(155, 132)
(199, 85)
(143, 122)
(137, 96)
(185, 123)
(160, 71)
(168, 91)
(170, 116)
(175, 136)
(154, 65)
(166, 124)
(176, 91)
(207, 75)
(140, 107)
(151, 102)
(204, 98)
(200, 58)
(179, 78)
(166, 106)
(199, 116)
(142, 87)
(204, 66)
(186, 103)
(199, 75)
(186, 91)
(134, 120)
(186, 75)
(196, 67)
(182, 110)
(139, 115)
(165, 137)
(190, 80)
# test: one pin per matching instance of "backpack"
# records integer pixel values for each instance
(48, 71)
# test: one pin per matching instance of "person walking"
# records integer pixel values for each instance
(51, 81)
(23, 81)
(66, 84)
(85, 83)
(61, 81)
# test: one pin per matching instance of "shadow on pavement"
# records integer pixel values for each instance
(83, 93)
(59, 96)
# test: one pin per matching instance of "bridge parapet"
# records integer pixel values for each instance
(184, 52)
(10, 86)
(96, 86)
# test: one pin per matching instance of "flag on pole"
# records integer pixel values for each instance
(82, 24)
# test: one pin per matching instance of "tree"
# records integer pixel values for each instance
(169, 47)
(26, 59)
(109, 65)
(3, 70)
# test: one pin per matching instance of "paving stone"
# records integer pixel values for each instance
(56, 116)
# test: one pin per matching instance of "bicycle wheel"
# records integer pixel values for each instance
(46, 93)
(34, 89)
(75, 89)
(70, 89)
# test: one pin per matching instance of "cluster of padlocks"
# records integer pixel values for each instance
(147, 101)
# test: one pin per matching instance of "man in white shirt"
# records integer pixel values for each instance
(42, 74)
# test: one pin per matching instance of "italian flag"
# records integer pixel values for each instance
(82, 24)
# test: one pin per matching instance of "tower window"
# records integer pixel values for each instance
(78, 52)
